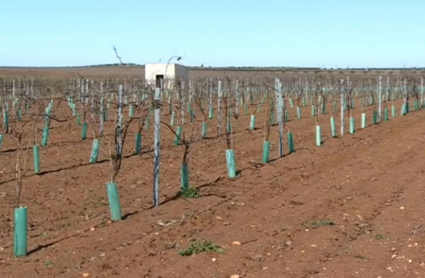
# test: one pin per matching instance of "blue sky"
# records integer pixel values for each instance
(329, 33)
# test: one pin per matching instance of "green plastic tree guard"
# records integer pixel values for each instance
(114, 201)
(6, 122)
(298, 112)
(386, 114)
(178, 136)
(45, 137)
(352, 125)
(20, 232)
(204, 129)
(403, 109)
(172, 118)
(252, 123)
(229, 127)
(84, 131)
(211, 112)
(363, 120)
(393, 111)
(36, 153)
(266, 151)
(131, 111)
(19, 115)
(318, 135)
(291, 145)
(94, 151)
(415, 105)
(147, 124)
(78, 119)
(184, 175)
(138, 144)
(231, 163)
(333, 127)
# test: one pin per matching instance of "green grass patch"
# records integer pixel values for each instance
(189, 193)
(360, 257)
(381, 237)
(201, 247)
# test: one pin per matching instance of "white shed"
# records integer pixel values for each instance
(167, 74)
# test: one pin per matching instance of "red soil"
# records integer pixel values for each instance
(370, 184)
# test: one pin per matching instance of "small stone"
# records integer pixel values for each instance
(236, 243)
(214, 259)
(85, 275)
(401, 207)
(235, 276)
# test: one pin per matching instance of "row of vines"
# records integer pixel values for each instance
(192, 110)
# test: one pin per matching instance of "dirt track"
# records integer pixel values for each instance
(370, 185)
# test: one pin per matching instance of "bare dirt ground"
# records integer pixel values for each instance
(350, 208)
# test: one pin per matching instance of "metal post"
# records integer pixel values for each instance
(342, 107)
(119, 125)
(157, 115)
(280, 107)
(220, 94)
(380, 99)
